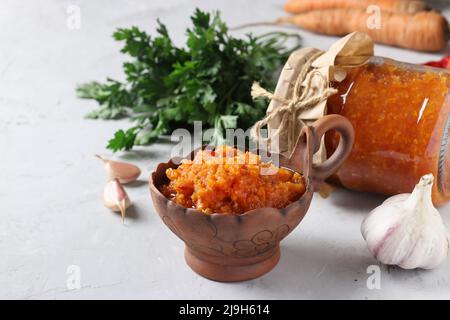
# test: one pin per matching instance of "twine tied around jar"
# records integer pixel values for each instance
(305, 95)
(303, 89)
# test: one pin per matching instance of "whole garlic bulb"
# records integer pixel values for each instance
(406, 230)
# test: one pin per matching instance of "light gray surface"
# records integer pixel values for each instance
(51, 215)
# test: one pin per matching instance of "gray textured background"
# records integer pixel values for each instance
(51, 215)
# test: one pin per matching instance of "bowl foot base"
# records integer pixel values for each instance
(230, 273)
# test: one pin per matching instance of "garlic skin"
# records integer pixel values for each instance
(407, 230)
(116, 198)
(123, 171)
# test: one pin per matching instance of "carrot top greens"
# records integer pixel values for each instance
(168, 87)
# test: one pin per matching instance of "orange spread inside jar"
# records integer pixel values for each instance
(400, 113)
(228, 180)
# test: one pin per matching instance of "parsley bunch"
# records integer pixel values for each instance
(167, 87)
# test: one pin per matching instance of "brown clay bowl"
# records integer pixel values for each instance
(241, 247)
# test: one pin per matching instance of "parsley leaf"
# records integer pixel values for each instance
(208, 80)
(123, 140)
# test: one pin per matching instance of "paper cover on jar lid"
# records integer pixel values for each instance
(303, 89)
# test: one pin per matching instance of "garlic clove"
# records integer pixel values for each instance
(116, 198)
(123, 171)
(406, 230)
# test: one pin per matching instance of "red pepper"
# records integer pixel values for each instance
(444, 63)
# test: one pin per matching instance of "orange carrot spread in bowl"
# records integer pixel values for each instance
(228, 180)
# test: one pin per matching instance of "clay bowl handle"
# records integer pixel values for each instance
(322, 171)
(308, 144)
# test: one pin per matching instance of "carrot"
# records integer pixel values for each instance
(401, 6)
(425, 31)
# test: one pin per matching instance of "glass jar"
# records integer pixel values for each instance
(400, 113)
